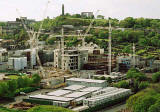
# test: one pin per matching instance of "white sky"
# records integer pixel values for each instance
(120, 9)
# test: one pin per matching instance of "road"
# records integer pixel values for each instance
(20, 98)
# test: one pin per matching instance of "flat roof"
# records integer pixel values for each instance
(54, 98)
(58, 93)
(109, 94)
(74, 87)
(86, 80)
(91, 89)
(76, 94)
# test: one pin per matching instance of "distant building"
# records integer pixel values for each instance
(87, 14)
(71, 60)
(3, 59)
(3, 55)
(125, 62)
(17, 63)
(14, 26)
(97, 59)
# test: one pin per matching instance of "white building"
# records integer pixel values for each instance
(105, 96)
(17, 63)
(87, 82)
(87, 14)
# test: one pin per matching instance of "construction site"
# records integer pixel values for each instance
(76, 75)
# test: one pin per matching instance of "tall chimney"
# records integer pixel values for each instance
(62, 9)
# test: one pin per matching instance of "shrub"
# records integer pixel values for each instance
(143, 85)
(156, 77)
(41, 102)
(25, 90)
(122, 84)
(46, 108)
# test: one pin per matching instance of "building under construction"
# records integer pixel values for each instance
(97, 61)
(72, 59)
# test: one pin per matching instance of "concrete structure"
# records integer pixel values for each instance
(86, 82)
(156, 64)
(78, 95)
(74, 87)
(126, 61)
(109, 95)
(2, 76)
(3, 59)
(87, 14)
(15, 26)
(17, 63)
(91, 89)
(68, 96)
(71, 60)
(59, 93)
(115, 76)
(3, 55)
(92, 48)
(88, 96)
(57, 101)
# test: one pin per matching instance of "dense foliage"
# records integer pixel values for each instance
(141, 31)
(146, 100)
(48, 109)
(2, 109)
(15, 86)
(41, 108)
(156, 77)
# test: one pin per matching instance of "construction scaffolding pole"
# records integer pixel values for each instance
(62, 46)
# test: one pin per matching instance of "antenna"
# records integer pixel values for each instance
(110, 49)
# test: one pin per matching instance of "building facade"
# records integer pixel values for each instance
(71, 59)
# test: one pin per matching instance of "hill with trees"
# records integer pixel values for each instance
(144, 32)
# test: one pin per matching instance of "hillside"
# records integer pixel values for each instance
(143, 32)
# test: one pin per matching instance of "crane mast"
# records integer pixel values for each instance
(110, 49)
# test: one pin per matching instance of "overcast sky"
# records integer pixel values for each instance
(34, 9)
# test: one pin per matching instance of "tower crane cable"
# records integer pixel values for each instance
(89, 27)
(34, 37)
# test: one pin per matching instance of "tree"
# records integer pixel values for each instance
(122, 84)
(143, 85)
(156, 77)
(127, 49)
(26, 81)
(48, 108)
(143, 103)
(155, 107)
(36, 79)
(51, 41)
(12, 84)
(4, 89)
(100, 17)
(20, 82)
(102, 78)
(109, 80)
(135, 74)
(76, 16)
(127, 22)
